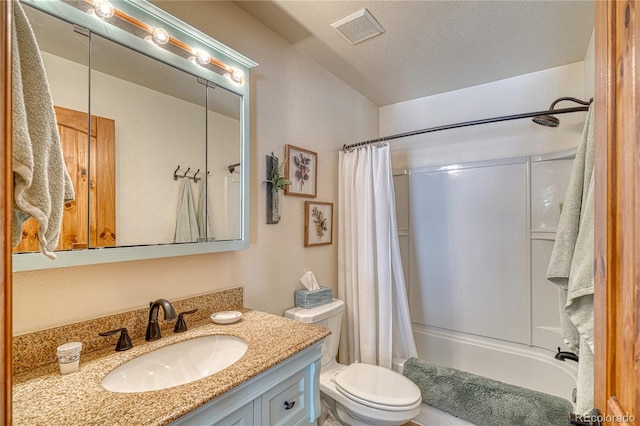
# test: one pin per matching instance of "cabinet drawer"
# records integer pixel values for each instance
(288, 402)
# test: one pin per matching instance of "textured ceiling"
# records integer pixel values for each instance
(432, 47)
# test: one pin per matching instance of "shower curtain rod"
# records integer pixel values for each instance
(467, 124)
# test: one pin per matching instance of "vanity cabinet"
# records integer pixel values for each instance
(286, 394)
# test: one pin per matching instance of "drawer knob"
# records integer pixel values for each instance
(289, 405)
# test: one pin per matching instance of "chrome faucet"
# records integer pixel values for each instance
(153, 329)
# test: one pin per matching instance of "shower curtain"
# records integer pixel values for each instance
(370, 277)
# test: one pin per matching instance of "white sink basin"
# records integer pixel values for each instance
(176, 364)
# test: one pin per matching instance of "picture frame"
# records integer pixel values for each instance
(318, 223)
(302, 171)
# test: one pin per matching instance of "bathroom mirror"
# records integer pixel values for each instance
(161, 121)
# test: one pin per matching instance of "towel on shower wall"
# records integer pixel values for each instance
(202, 215)
(41, 181)
(186, 222)
(571, 264)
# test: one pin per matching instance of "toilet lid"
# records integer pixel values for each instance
(377, 387)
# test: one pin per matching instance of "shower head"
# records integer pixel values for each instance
(546, 120)
(549, 120)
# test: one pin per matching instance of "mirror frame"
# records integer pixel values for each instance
(154, 16)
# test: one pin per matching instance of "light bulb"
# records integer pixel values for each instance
(203, 57)
(160, 35)
(193, 60)
(237, 76)
(104, 9)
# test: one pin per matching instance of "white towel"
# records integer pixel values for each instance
(203, 214)
(571, 264)
(41, 181)
(186, 222)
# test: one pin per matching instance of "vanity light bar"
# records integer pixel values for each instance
(233, 74)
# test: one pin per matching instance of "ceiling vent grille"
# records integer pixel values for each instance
(358, 26)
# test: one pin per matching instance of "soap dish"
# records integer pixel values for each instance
(226, 317)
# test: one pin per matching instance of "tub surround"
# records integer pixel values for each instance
(42, 396)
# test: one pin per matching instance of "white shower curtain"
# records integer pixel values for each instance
(370, 277)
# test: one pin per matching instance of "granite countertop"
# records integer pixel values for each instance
(45, 397)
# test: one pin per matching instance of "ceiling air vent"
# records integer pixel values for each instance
(358, 26)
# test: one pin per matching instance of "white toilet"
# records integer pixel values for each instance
(358, 394)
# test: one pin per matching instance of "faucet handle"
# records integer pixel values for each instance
(180, 324)
(124, 342)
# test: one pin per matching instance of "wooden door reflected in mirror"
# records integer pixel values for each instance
(90, 219)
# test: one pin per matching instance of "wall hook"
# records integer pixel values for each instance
(232, 167)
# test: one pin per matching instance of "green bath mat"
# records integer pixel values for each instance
(483, 401)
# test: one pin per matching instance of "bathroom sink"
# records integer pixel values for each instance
(176, 364)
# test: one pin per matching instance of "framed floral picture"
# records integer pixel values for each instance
(302, 171)
(318, 223)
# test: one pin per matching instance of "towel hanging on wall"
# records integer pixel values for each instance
(41, 182)
(571, 264)
(186, 222)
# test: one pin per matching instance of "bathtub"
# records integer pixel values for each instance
(512, 363)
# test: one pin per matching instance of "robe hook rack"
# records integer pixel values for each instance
(194, 178)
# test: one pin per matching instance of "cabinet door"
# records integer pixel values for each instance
(206, 415)
(241, 417)
(288, 402)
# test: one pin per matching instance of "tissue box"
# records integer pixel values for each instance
(310, 299)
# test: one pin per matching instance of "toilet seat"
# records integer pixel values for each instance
(377, 387)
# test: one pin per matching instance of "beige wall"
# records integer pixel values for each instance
(295, 101)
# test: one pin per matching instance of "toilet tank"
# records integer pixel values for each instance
(328, 316)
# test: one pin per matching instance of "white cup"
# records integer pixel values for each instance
(69, 357)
